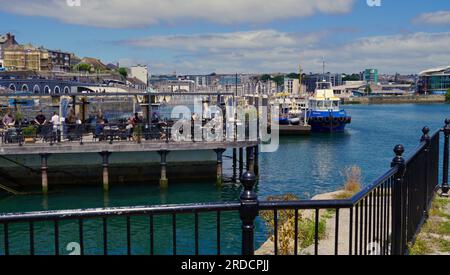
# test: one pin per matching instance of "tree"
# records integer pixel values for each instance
(368, 90)
(279, 79)
(83, 67)
(265, 77)
(293, 75)
(352, 77)
(123, 72)
(447, 95)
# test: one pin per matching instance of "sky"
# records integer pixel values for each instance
(240, 36)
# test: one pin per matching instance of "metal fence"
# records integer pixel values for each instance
(383, 218)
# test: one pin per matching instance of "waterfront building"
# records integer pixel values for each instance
(174, 86)
(7, 40)
(139, 72)
(291, 86)
(434, 81)
(311, 80)
(26, 58)
(60, 60)
(371, 76)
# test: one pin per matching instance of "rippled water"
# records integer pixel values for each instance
(303, 166)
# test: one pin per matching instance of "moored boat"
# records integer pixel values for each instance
(325, 113)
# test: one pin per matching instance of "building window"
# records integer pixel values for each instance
(12, 87)
(57, 90)
(36, 89)
(24, 88)
(66, 90)
(47, 90)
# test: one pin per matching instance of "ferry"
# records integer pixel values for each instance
(325, 113)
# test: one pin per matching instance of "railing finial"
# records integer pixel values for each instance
(425, 136)
(398, 150)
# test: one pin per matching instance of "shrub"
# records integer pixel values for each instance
(352, 184)
(286, 226)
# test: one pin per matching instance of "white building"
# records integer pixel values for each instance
(139, 72)
(291, 86)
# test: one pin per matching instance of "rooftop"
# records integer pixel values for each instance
(435, 70)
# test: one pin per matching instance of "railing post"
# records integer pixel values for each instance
(248, 212)
(398, 202)
(446, 131)
(426, 138)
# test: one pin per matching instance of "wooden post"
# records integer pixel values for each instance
(251, 160)
(219, 178)
(44, 176)
(241, 162)
(163, 181)
(234, 179)
(105, 156)
(256, 161)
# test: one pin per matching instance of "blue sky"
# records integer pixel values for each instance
(228, 36)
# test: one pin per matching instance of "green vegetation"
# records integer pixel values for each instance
(286, 226)
(123, 72)
(265, 77)
(447, 95)
(29, 131)
(83, 67)
(353, 180)
(352, 77)
(293, 75)
(435, 234)
(368, 90)
(279, 79)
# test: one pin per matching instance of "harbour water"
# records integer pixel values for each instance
(303, 166)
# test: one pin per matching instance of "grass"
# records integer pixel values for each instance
(352, 185)
(286, 226)
(434, 235)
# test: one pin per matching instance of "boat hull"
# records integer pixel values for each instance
(326, 122)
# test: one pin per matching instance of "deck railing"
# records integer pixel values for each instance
(383, 218)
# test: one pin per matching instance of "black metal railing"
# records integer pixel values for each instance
(383, 218)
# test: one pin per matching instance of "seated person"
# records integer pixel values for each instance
(8, 120)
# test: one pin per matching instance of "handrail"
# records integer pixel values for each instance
(118, 211)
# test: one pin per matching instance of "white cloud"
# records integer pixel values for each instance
(232, 41)
(434, 18)
(137, 13)
(273, 51)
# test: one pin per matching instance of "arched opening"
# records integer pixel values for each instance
(57, 90)
(47, 90)
(36, 89)
(24, 88)
(12, 87)
(66, 90)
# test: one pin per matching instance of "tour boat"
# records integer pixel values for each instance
(325, 113)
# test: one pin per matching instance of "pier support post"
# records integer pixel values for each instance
(251, 160)
(163, 181)
(105, 156)
(256, 151)
(241, 162)
(219, 178)
(44, 176)
(234, 179)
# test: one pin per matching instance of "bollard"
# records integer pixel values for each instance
(248, 212)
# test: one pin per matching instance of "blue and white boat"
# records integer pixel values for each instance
(325, 113)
